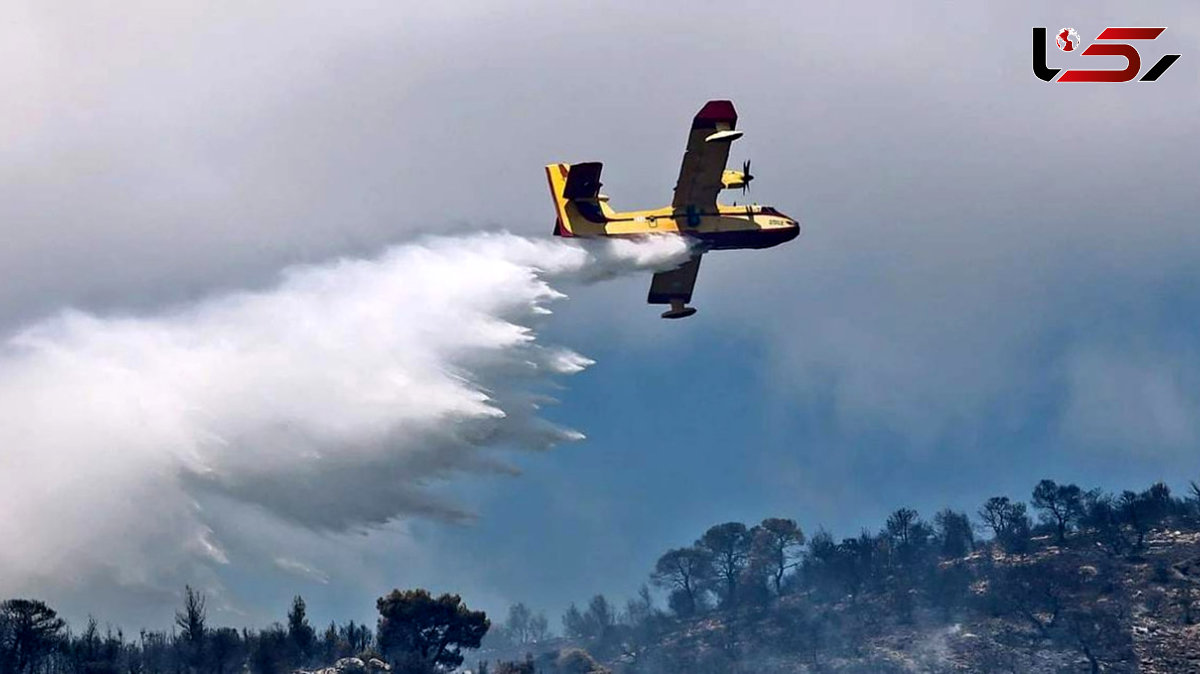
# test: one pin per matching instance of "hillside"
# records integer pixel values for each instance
(1115, 588)
(1101, 583)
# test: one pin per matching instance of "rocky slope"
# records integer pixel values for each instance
(1053, 609)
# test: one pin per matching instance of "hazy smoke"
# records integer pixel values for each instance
(331, 401)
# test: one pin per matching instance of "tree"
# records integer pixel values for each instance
(858, 561)
(948, 586)
(1136, 512)
(417, 630)
(301, 635)
(357, 638)
(995, 514)
(269, 653)
(822, 561)
(1008, 521)
(596, 622)
(728, 545)
(574, 625)
(643, 628)
(191, 623)
(600, 616)
(539, 628)
(1034, 593)
(156, 652)
(225, 645)
(1060, 505)
(1191, 503)
(907, 534)
(775, 548)
(900, 525)
(329, 643)
(1102, 517)
(1099, 631)
(1162, 503)
(954, 535)
(639, 610)
(684, 571)
(91, 653)
(29, 631)
(518, 623)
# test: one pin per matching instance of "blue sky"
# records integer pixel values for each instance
(997, 281)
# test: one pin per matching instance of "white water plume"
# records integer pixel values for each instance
(329, 402)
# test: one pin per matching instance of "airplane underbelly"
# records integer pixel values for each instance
(747, 238)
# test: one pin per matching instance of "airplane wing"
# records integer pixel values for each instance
(668, 287)
(704, 161)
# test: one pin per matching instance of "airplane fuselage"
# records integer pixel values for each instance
(729, 228)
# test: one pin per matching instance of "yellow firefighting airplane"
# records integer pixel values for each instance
(694, 212)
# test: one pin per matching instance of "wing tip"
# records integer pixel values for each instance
(713, 113)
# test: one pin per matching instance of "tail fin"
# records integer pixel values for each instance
(575, 189)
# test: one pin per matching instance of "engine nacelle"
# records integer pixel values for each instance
(735, 179)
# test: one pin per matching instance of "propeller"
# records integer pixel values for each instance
(746, 177)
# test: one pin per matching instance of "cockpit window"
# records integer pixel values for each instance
(767, 210)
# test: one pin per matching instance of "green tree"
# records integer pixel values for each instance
(301, 635)
(954, 535)
(1192, 503)
(1140, 512)
(1102, 518)
(225, 649)
(728, 545)
(419, 631)
(92, 653)
(574, 625)
(1099, 631)
(1008, 521)
(157, 653)
(539, 628)
(269, 654)
(355, 638)
(1060, 505)
(684, 572)
(329, 643)
(594, 623)
(600, 616)
(906, 535)
(29, 632)
(900, 525)
(858, 563)
(775, 548)
(517, 625)
(822, 561)
(191, 621)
